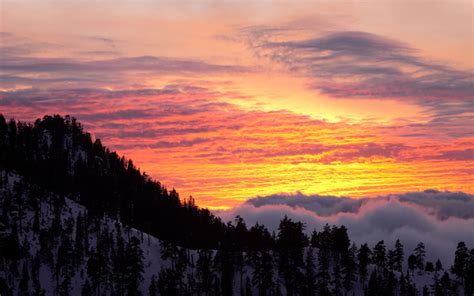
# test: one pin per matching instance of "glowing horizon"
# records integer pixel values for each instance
(228, 101)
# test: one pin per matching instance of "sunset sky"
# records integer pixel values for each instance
(228, 100)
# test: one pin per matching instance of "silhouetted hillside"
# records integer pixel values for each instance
(56, 154)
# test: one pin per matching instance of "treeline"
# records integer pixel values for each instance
(325, 264)
(56, 154)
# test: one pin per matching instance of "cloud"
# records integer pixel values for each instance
(73, 96)
(185, 143)
(352, 64)
(125, 114)
(151, 64)
(105, 40)
(439, 203)
(439, 219)
(5, 35)
(353, 152)
(465, 154)
(99, 53)
(99, 69)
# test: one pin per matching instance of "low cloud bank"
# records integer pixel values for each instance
(439, 219)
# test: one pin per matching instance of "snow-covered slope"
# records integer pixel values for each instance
(70, 213)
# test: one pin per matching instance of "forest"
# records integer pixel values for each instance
(78, 219)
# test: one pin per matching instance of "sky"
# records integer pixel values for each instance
(228, 100)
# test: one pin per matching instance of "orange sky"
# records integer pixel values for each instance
(227, 100)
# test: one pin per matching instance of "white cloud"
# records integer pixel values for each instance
(439, 219)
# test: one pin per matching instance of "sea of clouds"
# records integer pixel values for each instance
(439, 219)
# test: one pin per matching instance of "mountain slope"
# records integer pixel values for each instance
(56, 154)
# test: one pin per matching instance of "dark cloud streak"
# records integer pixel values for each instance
(352, 64)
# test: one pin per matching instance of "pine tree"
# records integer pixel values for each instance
(94, 272)
(395, 257)
(337, 280)
(64, 267)
(248, 287)
(262, 275)
(87, 289)
(169, 251)
(426, 291)
(445, 285)
(349, 267)
(420, 253)
(86, 245)
(435, 286)
(152, 289)
(438, 265)
(25, 280)
(56, 226)
(373, 287)
(469, 275)
(389, 283)
(104, 248)
(18, 205)
(118, 261)
(310, 274)
(239, 262)
(391, 260)
(412, 263)
(6, 207)
(429, 267)
(79, 240)
(224, 264)
(36, 219)
(290, 246)
(398, 256)
(134, 269)
(461, 258)
(379, 255)
(13, 250)
(241, 235)
(411, 287)
(403, 290)
(35, 270)
(323, 241)
(167, 282)
(364, 258)
(203, 271)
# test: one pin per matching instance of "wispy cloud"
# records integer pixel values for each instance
(23, 63)
(352, 64)
(109, 42)
(150, 64)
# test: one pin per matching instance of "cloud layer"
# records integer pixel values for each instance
(439, 219)
(360, 64)
(190, 136)
(206, 126)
